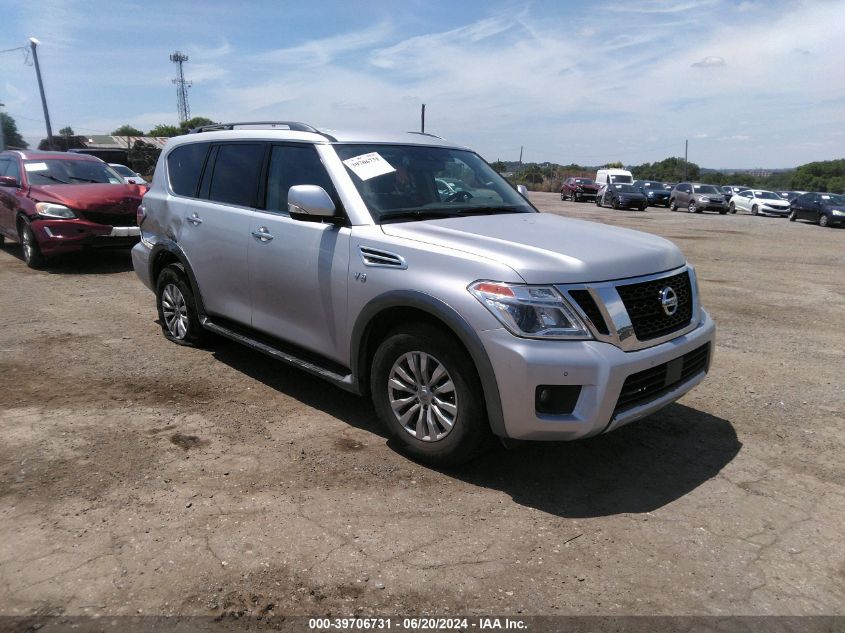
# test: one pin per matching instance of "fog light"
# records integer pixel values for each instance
(556, 399)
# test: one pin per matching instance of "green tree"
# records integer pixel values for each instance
(499, 166)
(67, 131)
(11, 135)
(127, 130)
(197, 121)
(163, 129)
(667, 170)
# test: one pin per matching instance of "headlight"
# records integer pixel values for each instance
(837, 212)
(530, 311)
(703, 199)
(50, 210)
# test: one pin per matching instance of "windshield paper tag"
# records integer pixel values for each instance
(35, 166)
(368, 166)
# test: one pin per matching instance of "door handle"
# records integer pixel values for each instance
(195, 219)
(262, 234)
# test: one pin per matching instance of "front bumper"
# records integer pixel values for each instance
(774, 211)
(599, 368)
(585, 194)
(662, 200)
(631, 203)
(67, 236)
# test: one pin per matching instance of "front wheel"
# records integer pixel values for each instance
(427, 393)
(177, 311)
(672, 205)
(732, 207)
(615, 203)
(598, 201)
(755, 210)
(793, 216)
(692, 208)
(643, 206)
(32, 255)
(562, 197)
(823, 220)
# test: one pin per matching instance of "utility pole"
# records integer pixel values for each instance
(2, 131)
(422, 119)
(519, 171)
(33, 43)
(686, 149)
(181, 87)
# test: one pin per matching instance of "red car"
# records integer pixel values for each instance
(57, 202)
(578, 189)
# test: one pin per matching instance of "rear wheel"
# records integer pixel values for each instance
(32, 255)
(732, 207)
(177, 311)
(615, 203)
(643, 206)
(562, 196)
(427, 393)
(823, 220)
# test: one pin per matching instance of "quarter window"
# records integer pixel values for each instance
(235, 177)
(184, 165)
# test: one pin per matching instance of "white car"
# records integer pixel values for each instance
(131, 177)
(756, 202)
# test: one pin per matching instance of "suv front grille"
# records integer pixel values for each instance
(653, 382)
(588, 305)
(111, 219)
(642, 301)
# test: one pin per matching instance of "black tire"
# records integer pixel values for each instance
(598, 201)
(643, 206)
(2, 239)
(823, 221)
(692, 207)
(562, 197)
(32, 255)
(672, 205)
(732, 207)
(614, 202)
(793, 216)
(755, 210)
(574, 196)
(470, 431)
(174, 281)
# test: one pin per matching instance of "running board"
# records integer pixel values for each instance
(343, 381)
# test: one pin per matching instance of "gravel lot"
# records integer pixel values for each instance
(143, 477)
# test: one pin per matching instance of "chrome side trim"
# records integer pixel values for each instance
(616, 316)
(377, 258)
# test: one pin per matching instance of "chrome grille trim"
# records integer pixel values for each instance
(616, 317)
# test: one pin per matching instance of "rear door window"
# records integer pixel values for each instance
(236, 173)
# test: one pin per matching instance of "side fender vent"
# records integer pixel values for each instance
(381, 259)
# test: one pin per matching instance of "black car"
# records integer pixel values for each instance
(790, 195)
(828, 209)
(655, 192)
(622, 196)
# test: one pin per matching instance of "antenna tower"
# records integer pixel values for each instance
(182, 86)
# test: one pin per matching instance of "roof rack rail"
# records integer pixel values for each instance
(294, 126)
(427, 134)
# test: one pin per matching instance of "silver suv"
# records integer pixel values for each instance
(463, 312)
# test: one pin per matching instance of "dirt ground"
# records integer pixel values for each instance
(144, 477)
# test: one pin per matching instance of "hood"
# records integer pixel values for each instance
(780, 202)
(545, 248)
(89, 197)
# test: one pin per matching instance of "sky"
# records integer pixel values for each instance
(750, 84)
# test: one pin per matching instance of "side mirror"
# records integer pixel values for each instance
(131, 181)
(8, 181)
(310, 200)
(523, 190)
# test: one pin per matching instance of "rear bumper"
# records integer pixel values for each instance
(67, 236)
(600, 369)
(141, 263)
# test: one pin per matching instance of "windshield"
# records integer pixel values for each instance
(834, 200)
(123, 170)
(653, 185)
(706, 189)
(585, 181)
(65, 172)
(403, 182)
(620, 178)
(626, 188)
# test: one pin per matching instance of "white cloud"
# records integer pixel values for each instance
(711, 61)
(323, 51)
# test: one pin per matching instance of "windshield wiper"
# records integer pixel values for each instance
(49, 177)
(418, 214)
(486, 210)
(84, 179)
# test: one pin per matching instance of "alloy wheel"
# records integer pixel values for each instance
(175, 311)
(422, 396)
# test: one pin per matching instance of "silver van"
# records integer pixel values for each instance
(463, 312)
